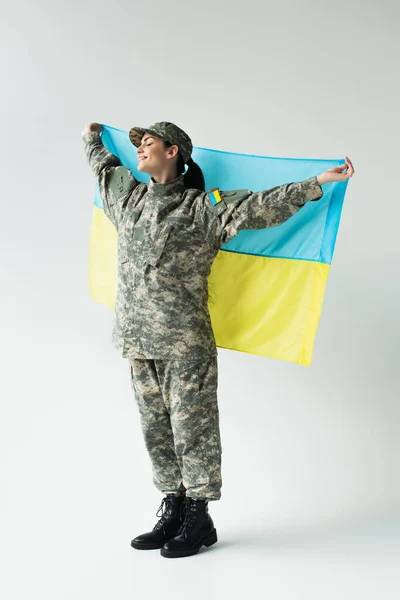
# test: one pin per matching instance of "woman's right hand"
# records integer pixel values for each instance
(92, 127)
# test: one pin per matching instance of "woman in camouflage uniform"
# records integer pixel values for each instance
(169, 232)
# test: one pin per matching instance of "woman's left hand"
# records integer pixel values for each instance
(335, 174)
(93, 127)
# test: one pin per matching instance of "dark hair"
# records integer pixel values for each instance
(193, 177)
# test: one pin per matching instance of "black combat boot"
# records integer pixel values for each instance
(196, 530)
(167, 526)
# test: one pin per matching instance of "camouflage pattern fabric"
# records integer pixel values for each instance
(168, 238)
(177, 401)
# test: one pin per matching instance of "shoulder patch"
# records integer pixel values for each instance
(121, 182)
(214, 195)
(219, 198)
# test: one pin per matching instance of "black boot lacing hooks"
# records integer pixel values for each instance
(165, 509)
(188, 507)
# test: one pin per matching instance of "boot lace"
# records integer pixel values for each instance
(165, 512)
(188, 514)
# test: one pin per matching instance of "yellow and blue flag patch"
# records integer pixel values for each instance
(214, 196)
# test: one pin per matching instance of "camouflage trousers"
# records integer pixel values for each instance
(177, 401)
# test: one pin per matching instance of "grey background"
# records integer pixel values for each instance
(310, 498)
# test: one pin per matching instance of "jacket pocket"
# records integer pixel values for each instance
(157, 245)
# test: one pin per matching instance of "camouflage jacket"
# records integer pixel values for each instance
(168, 237)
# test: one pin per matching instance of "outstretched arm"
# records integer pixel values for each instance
(97, 154)
(226, 213)
(116, 182)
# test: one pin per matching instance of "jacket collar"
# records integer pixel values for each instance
(165, 189)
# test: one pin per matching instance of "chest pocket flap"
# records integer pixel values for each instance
(156, 246)
(178, 219)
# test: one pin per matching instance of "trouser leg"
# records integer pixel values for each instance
(156, 426)
(190, 392)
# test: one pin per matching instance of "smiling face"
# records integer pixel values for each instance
(154, 157)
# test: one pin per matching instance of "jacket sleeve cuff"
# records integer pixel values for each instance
(91, 136)
(313, 190)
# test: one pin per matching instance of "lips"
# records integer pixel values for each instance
(142, 158)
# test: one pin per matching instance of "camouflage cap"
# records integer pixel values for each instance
(167, 132)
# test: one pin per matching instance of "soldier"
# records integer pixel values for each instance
(169, 232)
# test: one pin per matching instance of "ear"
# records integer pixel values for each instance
(173, 151)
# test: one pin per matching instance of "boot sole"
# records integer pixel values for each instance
(209, 540)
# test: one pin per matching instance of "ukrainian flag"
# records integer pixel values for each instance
(266, 286)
